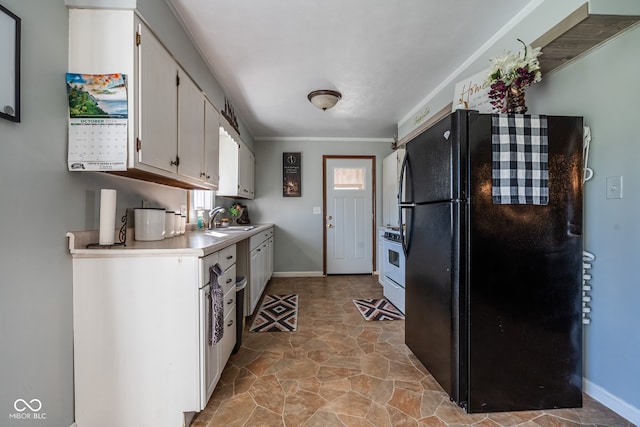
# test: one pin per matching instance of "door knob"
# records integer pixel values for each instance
(329, 217)
(329, 225)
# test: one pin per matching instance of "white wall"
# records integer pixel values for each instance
(298, 234)
(603, 88)
(531, 23)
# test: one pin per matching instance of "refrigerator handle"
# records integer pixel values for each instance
(401, 204)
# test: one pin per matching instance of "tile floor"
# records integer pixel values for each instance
(339, 370)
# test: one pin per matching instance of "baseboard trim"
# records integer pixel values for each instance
(612, 402)
(297, 274)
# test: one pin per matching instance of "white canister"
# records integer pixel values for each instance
(149, 224)
(183, 224)
(176, 224)
(169, 224)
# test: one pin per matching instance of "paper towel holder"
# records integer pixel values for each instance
(122, 235)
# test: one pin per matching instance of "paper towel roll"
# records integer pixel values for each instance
(107, 216)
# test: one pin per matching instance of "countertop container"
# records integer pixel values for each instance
(149, 224)
(169, 224)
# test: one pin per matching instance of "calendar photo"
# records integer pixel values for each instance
(98, 122)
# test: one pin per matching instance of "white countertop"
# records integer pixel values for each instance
(196, 243)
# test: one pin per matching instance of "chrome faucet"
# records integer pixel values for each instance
(212, 215)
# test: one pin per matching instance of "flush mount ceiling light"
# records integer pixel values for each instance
(324, 99)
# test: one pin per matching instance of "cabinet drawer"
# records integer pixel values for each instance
(227, 257)
(228, 280)
(228, 338)
(394, 293)
(229, 301)
(257, 239)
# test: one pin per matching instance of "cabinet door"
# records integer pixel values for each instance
(264, 260)
(158, 109)
(389, 191)
(211, 144)
(229, 156)
(270, 267)
(228, 341)
(190, 128)
(255, 258)
(211, 364)
(247, 168)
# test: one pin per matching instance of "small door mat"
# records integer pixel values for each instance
(378, 309)
(278, 313)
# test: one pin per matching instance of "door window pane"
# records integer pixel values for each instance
(349, 179)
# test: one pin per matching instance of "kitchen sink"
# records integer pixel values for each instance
(219, 231)
(236, 228)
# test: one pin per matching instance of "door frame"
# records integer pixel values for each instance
(324, 207)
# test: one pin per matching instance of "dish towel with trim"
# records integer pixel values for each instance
(216, 305)
(520, 172)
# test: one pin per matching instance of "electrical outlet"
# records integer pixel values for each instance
(614, 187)
(317, 210)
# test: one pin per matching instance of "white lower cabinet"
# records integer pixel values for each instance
(259, 264)
(214, 357)
(255, 278)
(140, 329)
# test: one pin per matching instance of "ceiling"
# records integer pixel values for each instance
(384, 56)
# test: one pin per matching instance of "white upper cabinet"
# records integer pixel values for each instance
(211, 144)
(166, 129)
(247, 172)
(237, 165)
(190, 128)
(155, 117)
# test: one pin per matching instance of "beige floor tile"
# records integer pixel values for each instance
(338, 370)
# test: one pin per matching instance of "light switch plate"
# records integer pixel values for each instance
(317, 210)
(614, 187)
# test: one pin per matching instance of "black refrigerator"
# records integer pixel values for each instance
(493, 291)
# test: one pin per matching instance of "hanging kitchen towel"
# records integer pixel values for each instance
(520, 173)
(216, 305)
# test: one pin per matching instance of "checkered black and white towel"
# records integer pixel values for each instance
(520, 173)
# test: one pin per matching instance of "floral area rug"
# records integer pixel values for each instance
(378, 309)
(278, 313)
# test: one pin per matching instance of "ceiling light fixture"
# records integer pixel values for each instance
(324, 99)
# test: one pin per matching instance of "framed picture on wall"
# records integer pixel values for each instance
(291, 174)
(9, 65)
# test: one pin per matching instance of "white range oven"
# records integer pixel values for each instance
(393, 268)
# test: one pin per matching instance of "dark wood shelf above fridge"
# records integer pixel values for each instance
(577, 34)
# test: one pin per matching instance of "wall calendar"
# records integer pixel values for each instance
(98, 122)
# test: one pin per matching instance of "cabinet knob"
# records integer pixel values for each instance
(230, 257)
(229, 280)
(230, 301)
(230, 323)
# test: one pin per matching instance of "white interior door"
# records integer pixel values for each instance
(348, 215)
